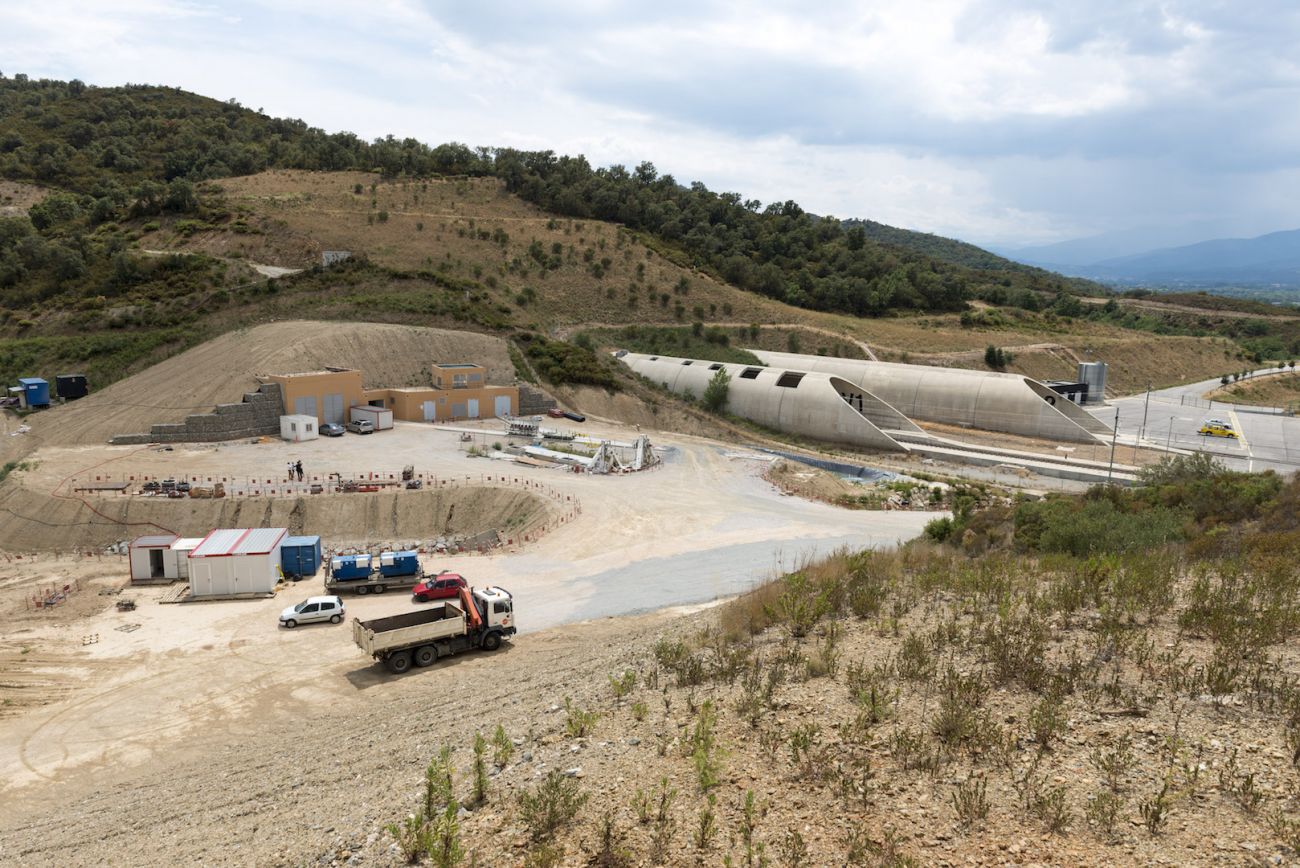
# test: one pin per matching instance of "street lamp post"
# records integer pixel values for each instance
(1169, 435)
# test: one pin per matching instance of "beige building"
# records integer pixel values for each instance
(460, 391)
(326, 394)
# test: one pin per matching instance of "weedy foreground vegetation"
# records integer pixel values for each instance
(1132, 700)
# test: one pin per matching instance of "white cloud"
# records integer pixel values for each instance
(993, 120)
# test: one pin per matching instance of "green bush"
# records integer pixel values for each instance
(1088, 527)
(564, 363)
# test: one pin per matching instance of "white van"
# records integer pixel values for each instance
(313, 609)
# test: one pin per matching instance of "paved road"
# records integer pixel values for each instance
(1172, 417)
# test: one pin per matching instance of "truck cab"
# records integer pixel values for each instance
(496, 607)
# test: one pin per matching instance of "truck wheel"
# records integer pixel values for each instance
(334, 619)
(379, 589)
(492, 641)
(291, 623)
(426, 655)
(399, 662)
(363, 590)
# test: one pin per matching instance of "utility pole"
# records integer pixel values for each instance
(1113, 434)
(1143, 430)
(1170, 433)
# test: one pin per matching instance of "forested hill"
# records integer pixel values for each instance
(117, 146)
(946, 249)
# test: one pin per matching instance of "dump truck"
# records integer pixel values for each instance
(475, 619)
(365, 574)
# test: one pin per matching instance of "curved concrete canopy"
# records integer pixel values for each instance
(822, 406)
(1011, 403)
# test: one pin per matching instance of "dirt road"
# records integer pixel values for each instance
(701, 526)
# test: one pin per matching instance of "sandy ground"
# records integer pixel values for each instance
(702, 526)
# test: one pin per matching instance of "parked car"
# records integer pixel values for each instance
(443, 586)
(331, 429)
(1215, 428)
(313, 609)
(361, 426)
(555, 413)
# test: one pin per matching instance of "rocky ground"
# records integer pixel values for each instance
(909, 736)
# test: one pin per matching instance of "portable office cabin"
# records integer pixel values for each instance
(237, 561)
(35, 391)
(298, 428)
(151, 559)
(381, 418)
(300, 556)
(180, 553)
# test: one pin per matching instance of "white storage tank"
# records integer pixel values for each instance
(1094, 375)
(296, 428)
(237, 561)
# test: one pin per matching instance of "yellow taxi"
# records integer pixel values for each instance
(1217, 428)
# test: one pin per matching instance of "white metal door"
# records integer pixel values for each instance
(430, 411)
(305, 406)
(473, 408)
(502, 405)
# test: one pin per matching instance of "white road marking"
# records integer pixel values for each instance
(1236, 426)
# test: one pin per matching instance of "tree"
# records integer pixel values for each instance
(715, 394)
(996, 357)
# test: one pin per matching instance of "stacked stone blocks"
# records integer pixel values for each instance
(257, 416)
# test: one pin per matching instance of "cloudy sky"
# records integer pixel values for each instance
(1005, 122)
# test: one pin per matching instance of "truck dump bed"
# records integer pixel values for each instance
(440, 621)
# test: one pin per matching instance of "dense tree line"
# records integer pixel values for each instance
(133, 150)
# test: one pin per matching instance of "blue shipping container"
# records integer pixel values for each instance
(346, 568)
(300, 556)
(399, 563)
(36, 392)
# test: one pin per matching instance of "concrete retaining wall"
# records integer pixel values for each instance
(534, 402)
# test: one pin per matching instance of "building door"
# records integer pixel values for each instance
(502, 405)
(305, 406)
(430, 411)
(473, 408)
(333, 411)
(458, 411)
(155, 563)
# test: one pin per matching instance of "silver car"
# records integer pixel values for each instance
(314, 609)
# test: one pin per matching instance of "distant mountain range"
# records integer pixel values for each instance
(1270, 259)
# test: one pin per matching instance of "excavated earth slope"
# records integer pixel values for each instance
(32, 520)
(223, 369)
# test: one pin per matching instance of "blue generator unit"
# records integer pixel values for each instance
(300, 556)
(393, 564)
(35, 392)
(350, 568)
